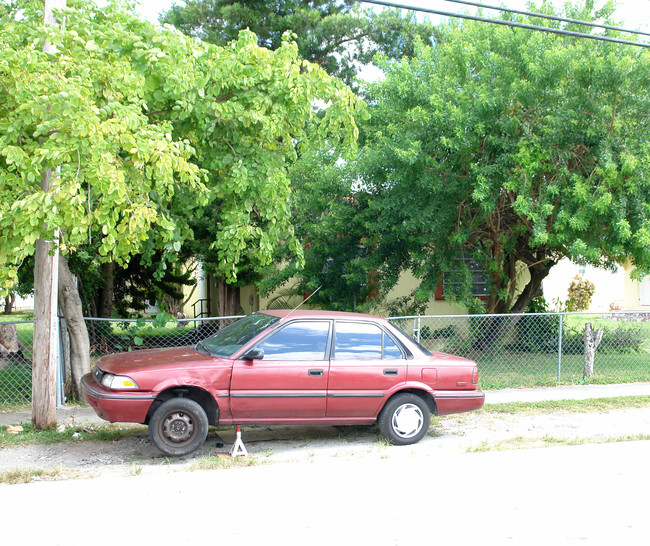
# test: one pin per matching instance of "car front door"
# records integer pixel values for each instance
(366, 363)
(290, 381)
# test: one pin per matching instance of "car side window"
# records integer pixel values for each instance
(391, 350)
(300, 340)
(356, 340)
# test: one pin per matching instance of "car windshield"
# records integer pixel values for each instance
(228, 341)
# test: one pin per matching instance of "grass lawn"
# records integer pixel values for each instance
(528, 355)
(541, 370)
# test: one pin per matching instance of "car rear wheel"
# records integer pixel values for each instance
(405, 419)
(178, 427)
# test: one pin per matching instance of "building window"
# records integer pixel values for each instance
(453, 280)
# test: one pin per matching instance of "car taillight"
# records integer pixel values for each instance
(475, 375)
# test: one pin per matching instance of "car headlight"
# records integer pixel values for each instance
(118, 382)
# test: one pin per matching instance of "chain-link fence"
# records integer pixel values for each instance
(541, 349)
(106, 336)
(16, 362)
(511, 350)
(119, 335)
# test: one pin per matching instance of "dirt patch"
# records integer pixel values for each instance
(277, 445)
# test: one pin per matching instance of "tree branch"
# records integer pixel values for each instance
(230, 146)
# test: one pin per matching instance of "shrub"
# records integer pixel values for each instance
(446, 332)
(580, 293)
(615, 340)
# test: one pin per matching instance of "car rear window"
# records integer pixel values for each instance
(358, 340)
(413, 340)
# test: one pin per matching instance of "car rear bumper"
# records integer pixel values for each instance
(458, 401)
(115, 406)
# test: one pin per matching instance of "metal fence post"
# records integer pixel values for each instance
(60, 364)
(559, 350)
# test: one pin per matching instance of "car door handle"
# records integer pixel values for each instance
(315, 373)
(390, 371)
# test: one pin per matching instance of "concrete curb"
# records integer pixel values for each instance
(567, 392)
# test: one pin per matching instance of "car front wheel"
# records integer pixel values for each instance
(405, 419)
(178, 427)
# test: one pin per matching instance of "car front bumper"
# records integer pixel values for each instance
(115, 406)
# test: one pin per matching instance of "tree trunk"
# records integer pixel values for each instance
(107, 295)
(73, 312)
(490, 331)
(10, 349)
(537, 274)
(10, 299)
(592, 340)
(228, 304)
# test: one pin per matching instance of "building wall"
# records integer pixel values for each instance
(610, 286)
(193, 294)
(637, 293)
(405, 286)
(249, 299)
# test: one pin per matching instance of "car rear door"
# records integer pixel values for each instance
(366, 363)
(290, 382)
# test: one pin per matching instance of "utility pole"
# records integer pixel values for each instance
(46, 276)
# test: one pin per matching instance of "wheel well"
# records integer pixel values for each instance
(200, 396)
(422, 394)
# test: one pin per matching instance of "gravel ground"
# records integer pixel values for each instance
(281, 445)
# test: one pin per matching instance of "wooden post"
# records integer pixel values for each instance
(45, 336)
(46, 262)
(592, 340)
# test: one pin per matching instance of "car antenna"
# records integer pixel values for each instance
(303, 302)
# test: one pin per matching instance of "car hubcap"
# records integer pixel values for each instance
(407, 420)
(178, 427)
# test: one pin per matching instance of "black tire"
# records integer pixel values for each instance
(178, 427)
(405, 419)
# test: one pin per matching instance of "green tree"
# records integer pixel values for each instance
(338, 35)
(138, 123)
(510, 147)
(327, 220)
(78, 158)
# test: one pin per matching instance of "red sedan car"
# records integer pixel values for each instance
(284, 367)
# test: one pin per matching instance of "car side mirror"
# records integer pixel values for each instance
(256, 353)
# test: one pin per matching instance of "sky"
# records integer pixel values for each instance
(635, 14)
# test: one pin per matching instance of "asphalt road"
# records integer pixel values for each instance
(588, 494)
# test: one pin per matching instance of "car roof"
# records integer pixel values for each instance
(309, 313)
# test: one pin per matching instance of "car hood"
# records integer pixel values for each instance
(147, 359)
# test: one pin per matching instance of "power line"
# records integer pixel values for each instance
(509, 23)
(550, 17)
